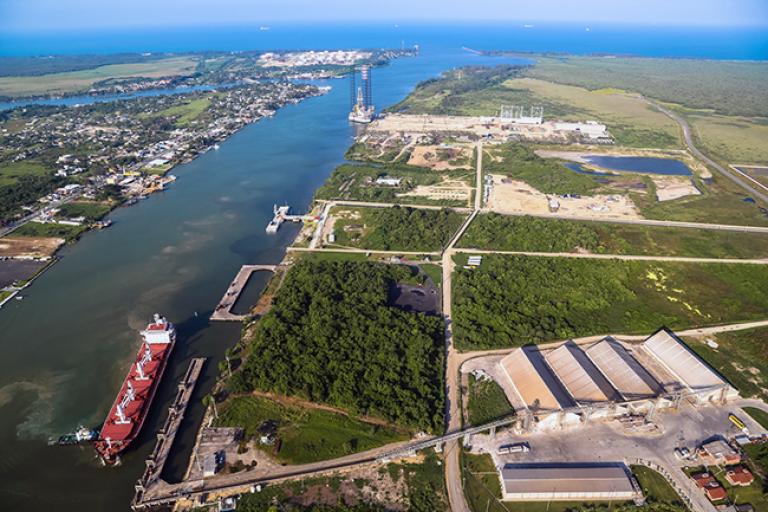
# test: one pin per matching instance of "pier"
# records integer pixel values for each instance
(223, 311)
(282, 215)
(150, 482)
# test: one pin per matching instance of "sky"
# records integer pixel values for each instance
(66, 15)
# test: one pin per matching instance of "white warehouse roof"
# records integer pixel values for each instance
(622, 370)
(681, 362)
(533, 381)
(566, 482)
(579, 375)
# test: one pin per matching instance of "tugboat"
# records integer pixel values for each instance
(81, 435)
(131, 407)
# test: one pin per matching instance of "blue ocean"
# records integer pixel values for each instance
(743, 43)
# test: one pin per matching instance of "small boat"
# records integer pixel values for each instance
(81, 435)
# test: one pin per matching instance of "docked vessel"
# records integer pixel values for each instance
(126, 416)
(362, 110)
(81, 435)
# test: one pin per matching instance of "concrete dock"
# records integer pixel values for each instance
(150, 482)
(223, 311)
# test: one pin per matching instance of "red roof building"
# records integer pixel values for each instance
(739, 475)
(716, 493)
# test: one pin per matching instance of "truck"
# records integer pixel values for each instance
(506, 449)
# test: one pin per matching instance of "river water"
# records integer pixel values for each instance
(66, 347)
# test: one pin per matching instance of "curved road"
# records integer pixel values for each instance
(698, 154)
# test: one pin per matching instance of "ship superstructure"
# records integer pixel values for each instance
(131, 407)
(362, 110)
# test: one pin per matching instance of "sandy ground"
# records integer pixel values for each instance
(428, 156)
(674, 187)
(13, 247)
(513, 196)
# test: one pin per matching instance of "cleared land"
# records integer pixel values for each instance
(77, 81)
(91, 210)
(36, 247)
(305, 435)
(533, 234)
(398, 228)
(37, 230)
(741, 357)
(514, 300)
(12, 172)
(734, 139)
(186, 112)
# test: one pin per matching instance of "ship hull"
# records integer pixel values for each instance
(122, 437)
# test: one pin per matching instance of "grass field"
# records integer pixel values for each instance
(486, 401)
(91, 210)
(11, 172)
(758, 415)
(35, 229)
(514, 300)
(742, 358)
(307, 435)
(512, 233)
(77, 81)
(732, 87)
(733, 139)
(186, 112)
(391, 229)
(629, 119)
(435, 272)
(655, 488)
(354, 182)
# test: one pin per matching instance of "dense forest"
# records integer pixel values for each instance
(514, 300)
(332, 337)
(401, 228)
(494, 231)
(518, 161)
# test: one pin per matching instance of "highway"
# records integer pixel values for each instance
(685, 127)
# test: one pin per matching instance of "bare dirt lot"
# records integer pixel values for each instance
(440, 158)
(14, 247)
(513, 196)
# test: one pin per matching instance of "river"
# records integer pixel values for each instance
(66, 347)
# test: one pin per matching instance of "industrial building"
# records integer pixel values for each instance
(569, 384)
(567, 482)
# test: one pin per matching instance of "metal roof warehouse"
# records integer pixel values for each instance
(531, 482)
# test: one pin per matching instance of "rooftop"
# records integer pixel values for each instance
(566, 478)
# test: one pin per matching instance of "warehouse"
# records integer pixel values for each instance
(688, 371)
(579, 375)
(535, 386)
(622, 370)
(567, 482)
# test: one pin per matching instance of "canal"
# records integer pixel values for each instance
(66, 347)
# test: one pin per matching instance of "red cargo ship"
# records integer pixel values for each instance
(131, 407)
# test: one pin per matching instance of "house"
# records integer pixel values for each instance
(712, 488)
(389, 182)
(739, 476)
(718, 453)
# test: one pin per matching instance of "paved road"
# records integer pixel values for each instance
(627, 257)
(458, 209)
(451, 450)
(701, 156)
(360, 251)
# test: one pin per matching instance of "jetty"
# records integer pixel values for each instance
(223, 311)
(150, 483)
(282, 215)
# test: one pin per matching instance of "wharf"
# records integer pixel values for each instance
(150, 482)
(223, 311)
(282, 215)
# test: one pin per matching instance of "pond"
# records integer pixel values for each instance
(642, 164)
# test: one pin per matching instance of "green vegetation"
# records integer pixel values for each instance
(396, 228)
(332, 337)
(424, 492)
(547, 175)
(22, 183)
(758, 415)
(733, 139)
(91, 210)
(729, 87)
(36, 66)
(11, 173)
(305, 434)
(486, 401)
(741, 357)
(77, 81)
(758, 454)
(655, 487)
(512, 233)
(435, 272)
(38, 230)
(356, 182)
(186, 112)
(482, 488)
(514, 300)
